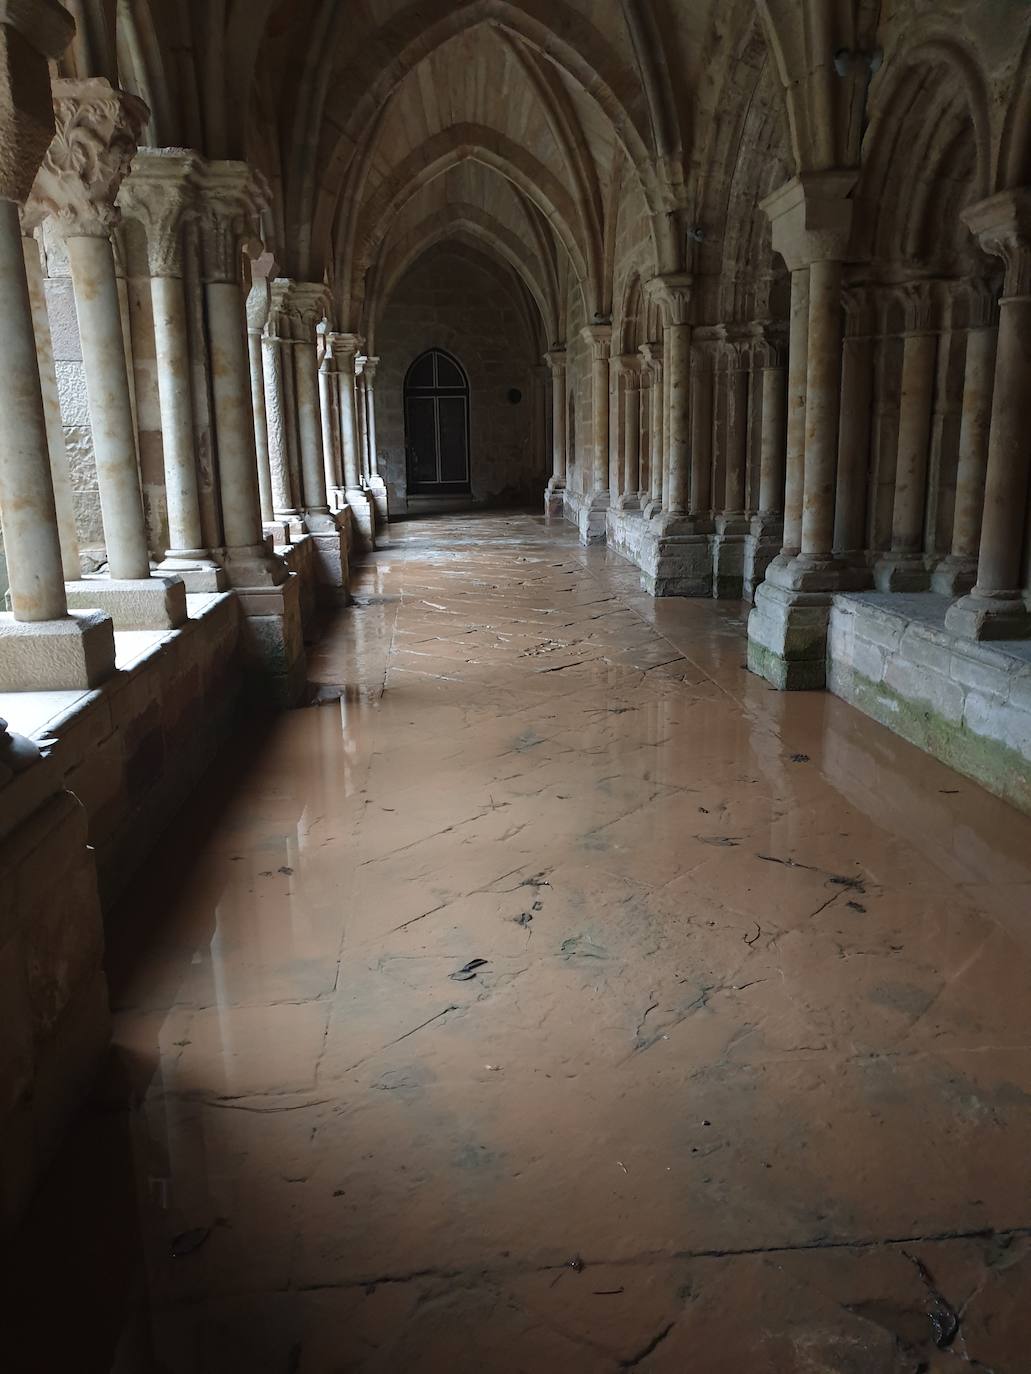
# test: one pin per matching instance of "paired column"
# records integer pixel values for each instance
(556, 361)
(904, 567)
(277, 372)
(673, 292)
(957, 573)
(630, 497)
(231, 197)
(737, 357)
(997, 606)
(652, 355)
(377, 485)
(772, 441)
(329, 408)
(345, 351)
(258, 306)
(41, 645)
(305, 303)
(160, 194)
(599, 336)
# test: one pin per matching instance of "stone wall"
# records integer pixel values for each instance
(455, 299)
(52, 985)
(967, 703)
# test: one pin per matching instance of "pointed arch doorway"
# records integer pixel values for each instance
(437, 425)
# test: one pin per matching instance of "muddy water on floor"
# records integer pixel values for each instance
(749, 1039)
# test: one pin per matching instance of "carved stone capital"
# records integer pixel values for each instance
(811, 217)
(304, 303)
(370, 366)
(1002, 225)
(860, 307)
(160, 193)
(556, 360)
(921, 302)
(672, 292)
(345, 349)
(231, 196)
(973, 303)
(96, 129)
(630, 367)
(651, 353)
(599, 336)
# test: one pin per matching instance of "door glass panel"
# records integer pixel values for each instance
(448, 374)
(421, 374)
(422, 440)
(454, 465)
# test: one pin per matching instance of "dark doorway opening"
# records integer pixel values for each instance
(437, 425)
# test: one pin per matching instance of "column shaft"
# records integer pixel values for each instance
(823, 383)
(794, 480)
(349, 426)
(632, 440)
(677, 353)
(309, 428)
(973, 440)
(328, 398)
(853, 444)
(657, 411)
(230, 371)
(701, 435)
(283, 506)
(736, 435)
(27, 507)
(1009, 453)
(261, 435)
(107, 391)
(907, 521)
(59, 471)
(600, 419)
(172, 359)
(558, 425)
(772, 441)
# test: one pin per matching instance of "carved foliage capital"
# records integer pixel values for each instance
(96, 131)
(1002, 224)
(556, 360)
(231, 197)
(921, 306)
(672, 292)
(371, 364)
(160, 193)
(599, 336)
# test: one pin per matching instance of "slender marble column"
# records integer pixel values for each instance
(823, 392)
(617, 417)
(59, 470)
(306, 304)
(159, 193)
(329, 409)
(997, 606)
(652, 353)
(284, 508)
(957, 573)
(903, 568)
(736, 433)
(553, 500)
(259, 301)
(377, 485)
(630, 498)
(701, 436)
(80, 193)
(345, 347)
(599, 337)
(363, 415)
(772, 443)
(31, 539)
(794, 478)
(854, 426)
(231, 197)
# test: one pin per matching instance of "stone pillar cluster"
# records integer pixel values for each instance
(264, 416)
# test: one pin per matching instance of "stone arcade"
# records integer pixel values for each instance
(708, 783)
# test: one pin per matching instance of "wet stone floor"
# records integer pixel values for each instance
(556, 996)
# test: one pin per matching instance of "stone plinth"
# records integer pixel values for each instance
(787, 637)
(150, 603)
(77, 652)
(272, 639)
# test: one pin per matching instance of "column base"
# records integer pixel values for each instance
(72, 654)
(591, 518)
(1003, 615)
(198, 570)
(554, 500)
(631, 500)
(363, 518)
(762, 544)
(332, 562)
(787, 637)
(651, 509)
(144, 603)
(901, 572)
(816, 573)
(273, 640)
(728, 557)
(675, 559)
(954, 576)
(253, 565)
(377, 490)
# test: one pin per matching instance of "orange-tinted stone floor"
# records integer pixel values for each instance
(742, 1083)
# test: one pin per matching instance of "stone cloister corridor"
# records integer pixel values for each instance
(515, 686)
(749, 1030)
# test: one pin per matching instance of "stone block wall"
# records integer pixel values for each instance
(459, 301)
(967, 703)
(52, 985)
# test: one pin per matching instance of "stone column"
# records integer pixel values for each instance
(737, 359)
(673, 292)
(617, 416)
(97, 128)
(766, 527)
(258, 306)
(554, 501)
(956, 574)
(811, 220)
(59, 469)
(329, 409)
(42, 647)
(854, 427)
(731, 524)
(159, 194)
(701, 500)
(345, 351)
(630, 497)
(277, 372)
(652, 354)
(362, 417)
(377, 485)
(997, 607)
(903, 568)
(596, 487)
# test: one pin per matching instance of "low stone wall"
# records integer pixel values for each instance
(52, 985)
(967, 703)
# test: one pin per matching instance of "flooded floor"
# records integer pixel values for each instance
(559, 997)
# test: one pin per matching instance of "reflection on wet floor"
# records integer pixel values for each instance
(554, 995)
